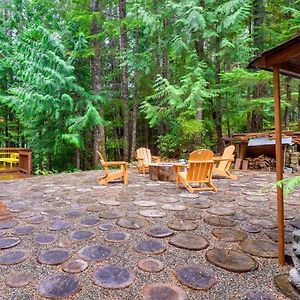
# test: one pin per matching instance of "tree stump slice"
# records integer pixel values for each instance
(59, 286)
(231, 260)
(260, 248)
(196, 277)
(189, 241)
(151, 265)
(113, 277)
(155, 291)
(16, 280)
(162, 172)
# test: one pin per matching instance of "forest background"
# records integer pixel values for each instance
(78, 76)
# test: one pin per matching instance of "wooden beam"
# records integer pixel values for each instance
(283, 55)
(279, 165)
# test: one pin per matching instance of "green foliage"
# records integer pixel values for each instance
(289, 185)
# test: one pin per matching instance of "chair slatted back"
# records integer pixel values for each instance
(200, 166)
(145, 154)
(102, 161)
(227, 154)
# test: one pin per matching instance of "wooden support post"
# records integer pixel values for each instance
(279, 165)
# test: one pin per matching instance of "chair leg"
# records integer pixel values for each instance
(125, 177)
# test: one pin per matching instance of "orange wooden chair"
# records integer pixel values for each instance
(113, 174)
(199, 171)
(223, 163)
(144, 158)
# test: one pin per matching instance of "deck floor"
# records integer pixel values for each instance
(67, 223)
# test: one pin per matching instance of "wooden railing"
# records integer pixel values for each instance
(16, 160)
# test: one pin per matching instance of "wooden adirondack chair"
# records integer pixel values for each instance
(113, 174)
(199, 171)
(223, 163)
(144, 158)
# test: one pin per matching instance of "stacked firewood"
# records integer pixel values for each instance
(262, 162)
(292, 159)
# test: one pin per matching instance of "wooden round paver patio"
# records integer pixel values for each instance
(78, 240)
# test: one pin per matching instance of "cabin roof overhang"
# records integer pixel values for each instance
(286, 56)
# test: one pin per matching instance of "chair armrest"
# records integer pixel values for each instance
(114, 163)
(217, 159)
(200, 161)
(156, 158)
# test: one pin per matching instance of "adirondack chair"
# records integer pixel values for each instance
(113, 174)
(144, 158)
(199, 171)
(223, 163)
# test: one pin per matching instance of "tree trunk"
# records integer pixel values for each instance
(125, 92)
(135, 96)
(165, 57)
(258, 15)
(98, 132)
(289, 101)
(218, 105)
(199, 44)
(299, 106)
(258, 39)
(77, 158)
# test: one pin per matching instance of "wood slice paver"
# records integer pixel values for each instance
(117, 236)
(23, 230)
(8, 224)
(76, 213)
(54, 256)
(9, 242)
(106, 227)
(219, 221)
(44, 239)
(173, 206)
(16, 280)
(231, 260)
(89, 222)
(229, 234)
(151, 265)
(133, 222)
(75, 266)
(190, 215)
(258, 295)
(159, 232)
(112, 213)
(196, 277)
(13, 257)
(82, 235)
(96, 253)
(145, 203)
(113, 277)
(36, 220)
(163, 291)
(259, 248)
(150, 247)
(189, 241)
(250, 228)
(221, 211)
(182, 225)
(59, 225)
(152, 213)
(288, 236)
(59, 286)
(264, 223)
(200, 203)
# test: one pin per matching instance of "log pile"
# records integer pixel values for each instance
(262, 162)
(292, 159)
